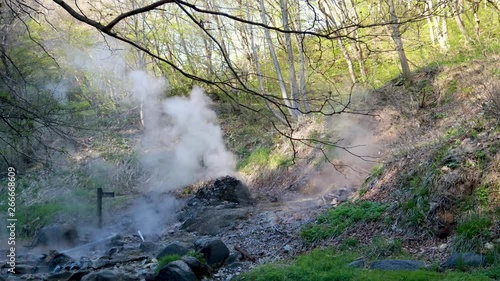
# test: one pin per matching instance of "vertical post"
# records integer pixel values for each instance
(99, 207)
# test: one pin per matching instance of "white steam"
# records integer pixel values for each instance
(182, 142)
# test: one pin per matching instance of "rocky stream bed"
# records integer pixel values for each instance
(218, 233)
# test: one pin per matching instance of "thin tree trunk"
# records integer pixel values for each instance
(457, 9)
(357, 44)
(302, 69)
(396, 36)
(475, 8)
(270, 44)
(338, 36)
(259, 72)
(290, 57)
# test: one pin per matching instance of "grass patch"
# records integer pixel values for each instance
(34, 216)
(473, 232)
(258, 157)
(327, 265)
(166, 260)
(335, 221)
(383, 248)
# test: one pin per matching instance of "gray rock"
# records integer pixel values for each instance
(107, 275)
(176, 271)
(57, 260)
(174, 248)
(24, 269)
(397, 265)
(287, 248)
(112, 251)
(357, 264)
(200, 269)
(226, 189)
(464, 259)
(148, 246)
(234, 257)
(213, 249)
(67, 276)
(56, 235)
(210, 221)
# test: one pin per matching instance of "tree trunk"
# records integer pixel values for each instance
(255, 56)
(332, 24)
(458, 9)
(270, 44)
(290, 57)
(396, 36)
(357, 44)
(302, 70)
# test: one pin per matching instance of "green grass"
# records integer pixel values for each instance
(166, 260)
(335, 221)
(42, 213)
(259, 156)
(327, 265)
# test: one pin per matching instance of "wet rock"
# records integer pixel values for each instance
(112, 251)
(85, 262)
(234, 257)
(464, 259)
(357, 264)
(56, 260)
(107, 275)
(397, 265)
(56, 235)
(24, 269)
(148, 247)
(174, 248)
(214, 251)
(210, 221)
(67, 276)
(225, 189)
(176, 271)
(116, 241)
(287, 248)
(200, 269)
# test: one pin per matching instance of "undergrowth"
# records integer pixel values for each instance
(328, 265)
(336, 220)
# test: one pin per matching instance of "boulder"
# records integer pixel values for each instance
(213, 249)
(24, 269)
(226, 189)
(200, 269)
(56, 261)
(176, 271)
(107, 275)
(174, 248)
(464, 259)
(148, 246)
(397, 265)
(56, 235)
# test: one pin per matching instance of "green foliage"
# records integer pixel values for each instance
(199, 256)
(383, 248)
(259, 157)
(474, 226)
(263, 157)
(334, 221)
(473, 231)
(327, 265)
(37, 215)
(166, 260)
